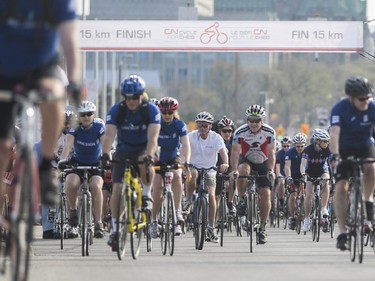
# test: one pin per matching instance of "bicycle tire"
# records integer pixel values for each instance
(222, 215)
(124, 205)
(332, 221)
(171, 219)
(360, 228)
(163, 226)
(200, 223)
(83, 224)
(352, 227)
(3, 237)
(136, 234)
(147, 232)
(250, 220)
(319, 220)
(62, 220)
(20, 236)
(286, 211)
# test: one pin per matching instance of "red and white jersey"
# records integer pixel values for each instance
(254, 145)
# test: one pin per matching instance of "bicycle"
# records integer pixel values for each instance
(85, 214)
(59, 216)
(356, 211)
(316, 216)
(222, 211)
(167, 213)
(252, 215)
(131, 216)
(276, 214)
(25, 185)
(200, 209)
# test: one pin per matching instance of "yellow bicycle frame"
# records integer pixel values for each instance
(132, 185)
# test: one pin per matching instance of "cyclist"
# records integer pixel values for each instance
(314, 164)
(293, 176)
(47, 224)
(254, 149)
(137, 124)
(30, 32)
(205, 145)
(87, 141)
(173, 135)
(279, 169)
(352, 121)
(226, 128)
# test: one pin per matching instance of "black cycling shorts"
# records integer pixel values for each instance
(344, 169)
(31, 82)
(261, 169)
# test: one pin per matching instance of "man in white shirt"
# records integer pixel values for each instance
(205, 146)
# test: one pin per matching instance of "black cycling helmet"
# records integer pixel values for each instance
(358, 87)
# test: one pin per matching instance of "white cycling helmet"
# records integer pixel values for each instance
(204, 117)
(256, 111)
(299, 138)
(320, 134)
(87, 106)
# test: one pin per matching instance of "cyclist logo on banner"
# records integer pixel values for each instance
(212, 33)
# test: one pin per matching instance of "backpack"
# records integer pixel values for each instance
(123, 109)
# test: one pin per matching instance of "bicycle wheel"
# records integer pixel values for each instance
(21, 230)
(136, 234)
(3, 236)
(359, 227)
(319, 221)
(163, 226)
(83, 224)
(200, 222)
(62, 220)
(332, 219)
(250, 219)
(147, 232)
(124, 204)
(356, 226)
(171, 223)
(222, 218)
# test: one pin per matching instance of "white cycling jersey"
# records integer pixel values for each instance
(254, 145)
(204, 152)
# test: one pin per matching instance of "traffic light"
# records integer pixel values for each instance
(305, 128)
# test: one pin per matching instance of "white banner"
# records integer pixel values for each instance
(222, 36)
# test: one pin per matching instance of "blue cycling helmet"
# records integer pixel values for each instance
(133, 85)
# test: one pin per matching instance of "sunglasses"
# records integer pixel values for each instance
(286, 146)
(202, 126)
(167, 112)
(86, 114)
(364, 99)
(132, 98)
(254, 120)
(325, 141)
(300, 146)
(226, 131)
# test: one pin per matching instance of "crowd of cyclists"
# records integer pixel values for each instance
(150, 132)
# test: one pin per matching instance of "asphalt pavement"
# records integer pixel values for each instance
(286, 256)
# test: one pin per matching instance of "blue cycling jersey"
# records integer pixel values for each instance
(132, 131)
(280, 159)
(87, 146)
(295, 162)
(170, 139)
(27, 40)
(317, 160)
(356, 127)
